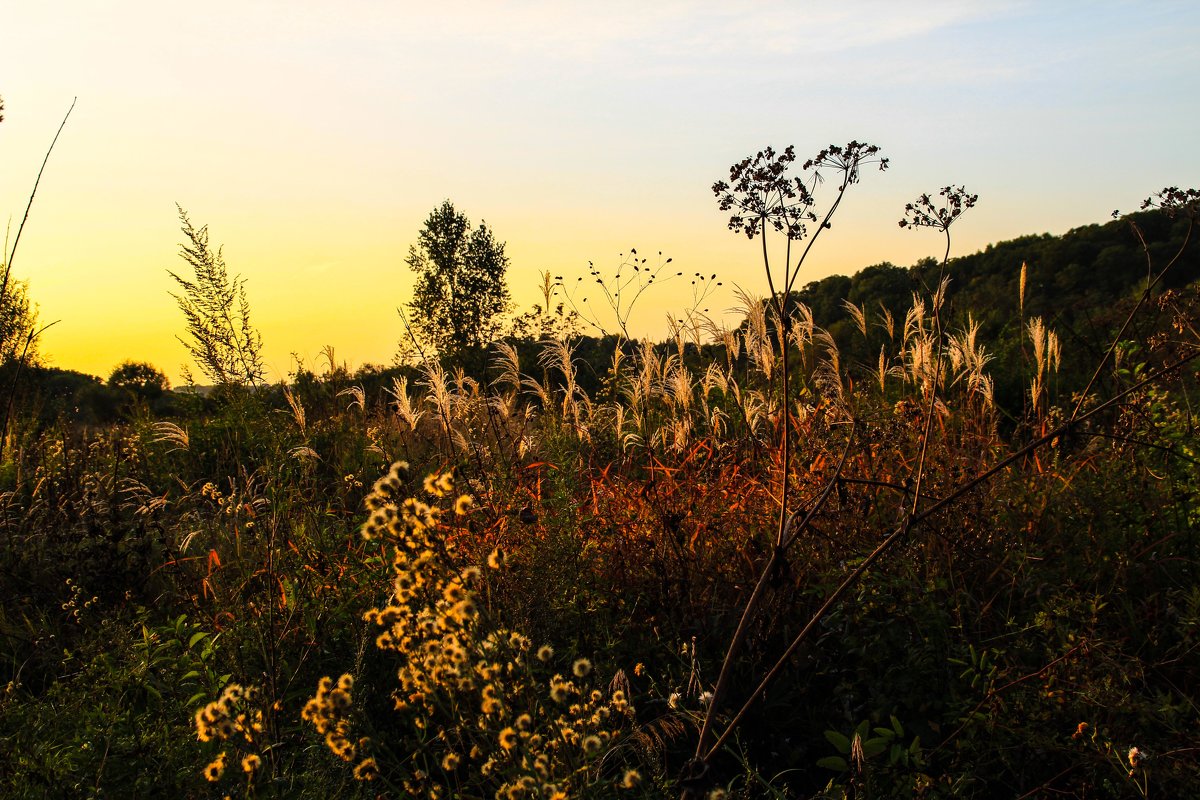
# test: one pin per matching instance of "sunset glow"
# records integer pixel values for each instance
(314, 141)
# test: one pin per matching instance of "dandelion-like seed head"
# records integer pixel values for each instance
(545, 653)
(581, 668)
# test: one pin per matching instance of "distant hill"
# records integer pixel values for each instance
(1081, 283)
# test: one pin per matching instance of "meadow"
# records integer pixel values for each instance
(748, 562)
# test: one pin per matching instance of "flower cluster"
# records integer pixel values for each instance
(1174, 201)
(925, 213)
(329, 711)
(234, 720)
(483, 710)
(763, 194)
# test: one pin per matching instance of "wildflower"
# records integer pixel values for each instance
(215, 769)
(250, 763)
(1080, 730)
(581, 668)
(495, 559)
(367, 770)
(431, 485)
(545, 653)
(339, 700)
(706, 698)
(1135, 758)
(591, 745)
(453, 592)
(631, 780)
(559, 687)
(445, 483)
(638, 669)
(463, 504)
(508, 738)
(450, 762)
(491, 706)
(718, 794)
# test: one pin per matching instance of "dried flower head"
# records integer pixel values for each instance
(1174, 201)
(925, 212)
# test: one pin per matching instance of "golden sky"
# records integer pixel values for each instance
(315, 138)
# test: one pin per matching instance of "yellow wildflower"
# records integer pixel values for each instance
(508, 738)
(216, 768)
(367, 770)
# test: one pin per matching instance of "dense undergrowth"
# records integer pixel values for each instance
(500, 584)
(1028, 636)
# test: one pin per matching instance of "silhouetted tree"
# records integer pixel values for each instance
(460, 292)
(140, 378)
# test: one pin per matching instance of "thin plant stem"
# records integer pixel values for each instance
(1150, 284)
(911, 522)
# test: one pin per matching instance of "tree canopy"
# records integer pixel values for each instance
(460, 292)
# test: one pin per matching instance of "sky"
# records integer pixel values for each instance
(315, 138)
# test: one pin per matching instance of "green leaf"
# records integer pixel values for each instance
(839, 742)
(873, 747)
(190, 675)
(196, 637)
(836, 763)
(196, 698)
(896, 726)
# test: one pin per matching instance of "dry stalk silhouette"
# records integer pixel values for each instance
(764, 196)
